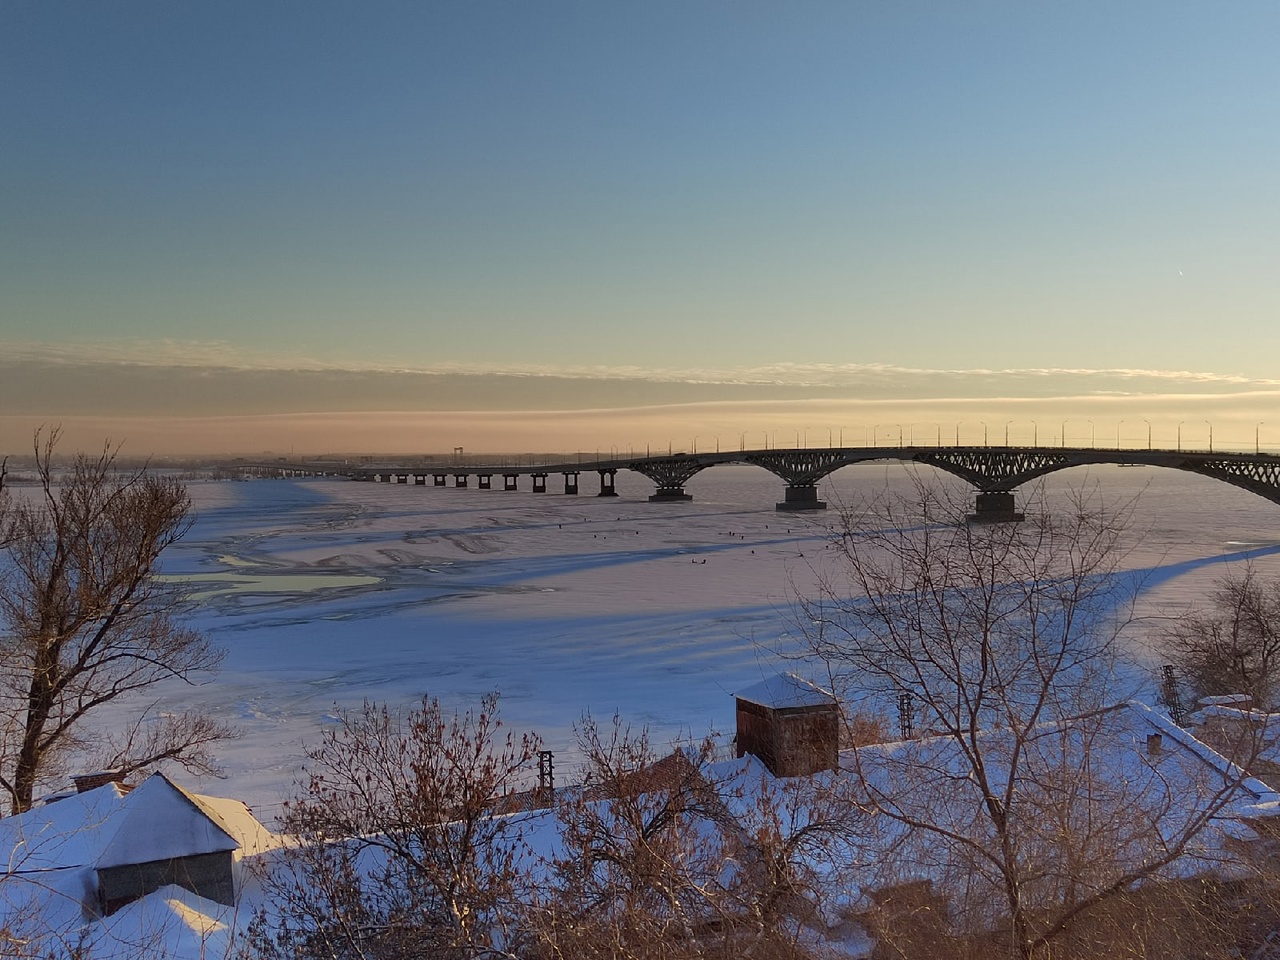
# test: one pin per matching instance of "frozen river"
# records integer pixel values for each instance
(327, 592)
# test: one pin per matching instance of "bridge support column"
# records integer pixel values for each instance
(672, 494)
(460, 479)
(509, 481)
(571, 482)
(539, 483)
(801, 496)
(437, 479)
(485, 481)
(606, 483)
(995, 506)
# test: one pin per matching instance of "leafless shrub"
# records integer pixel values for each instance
(661, 859)
(1233, 646)
(400, 849)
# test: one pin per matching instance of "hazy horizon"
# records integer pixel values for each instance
(237, 410)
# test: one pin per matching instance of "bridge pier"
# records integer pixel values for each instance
(509, 481)
(671, 494)
(606, 483)
(571, 482)
(995, 506)
(437, 479)
(460, 479)
(539, 482)
(801, 496)
(484, 481)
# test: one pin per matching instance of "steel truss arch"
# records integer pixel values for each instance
(800, 468)
(1257, 476)
(670, 474)
(996, 470)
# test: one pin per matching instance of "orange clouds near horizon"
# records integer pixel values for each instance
(1235, 421)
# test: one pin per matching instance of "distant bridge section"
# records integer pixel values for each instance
(994, 472)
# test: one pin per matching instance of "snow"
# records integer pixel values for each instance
(1227, 700)
(570, 604)
(324, 593)
(170, 924)
(71, 832)
(786, 690)
(161, 821)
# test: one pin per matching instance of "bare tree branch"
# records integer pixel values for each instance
(85, 619)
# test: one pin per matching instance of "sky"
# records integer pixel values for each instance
(403, 227)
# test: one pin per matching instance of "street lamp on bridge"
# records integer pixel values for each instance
(1210, 436)
(1257, 448)
(984, 432)
(1006, 432)
(1064, 433)
(1093, 435)
(1035, 434)
(1148, 423)
(1180, 423)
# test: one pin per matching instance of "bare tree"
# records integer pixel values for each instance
(402, 849)
(660, 857)
(1234, 645)
(1003, 637)
(86, 621)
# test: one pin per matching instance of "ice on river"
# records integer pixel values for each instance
(327, 592)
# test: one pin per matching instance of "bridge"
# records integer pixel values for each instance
(994, 472)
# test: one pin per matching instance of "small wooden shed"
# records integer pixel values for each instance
(790, 724)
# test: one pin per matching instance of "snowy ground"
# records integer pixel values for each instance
(326, 592)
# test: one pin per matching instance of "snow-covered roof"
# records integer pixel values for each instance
(786, 690)
(71, 832)
(105, 827)
(928, 779)
(1227, 700)
(163, 821)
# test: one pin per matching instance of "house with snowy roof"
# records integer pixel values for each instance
(167, 835)
(89, 854)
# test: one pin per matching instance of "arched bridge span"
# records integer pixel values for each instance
(994, 472)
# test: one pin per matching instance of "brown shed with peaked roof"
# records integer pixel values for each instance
(790, 724)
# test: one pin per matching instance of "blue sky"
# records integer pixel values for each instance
(698, 191)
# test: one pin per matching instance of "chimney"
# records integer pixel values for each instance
(91, 781)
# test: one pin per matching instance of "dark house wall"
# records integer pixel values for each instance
(791, 741)
(207, 875)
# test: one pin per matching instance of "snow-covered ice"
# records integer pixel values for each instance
(327, 592)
